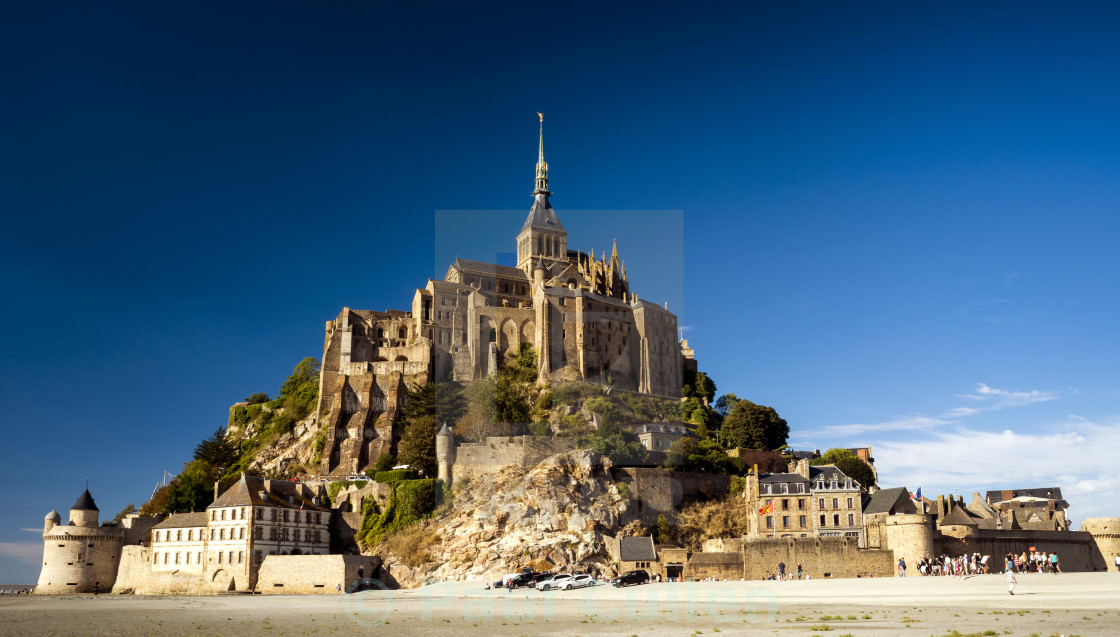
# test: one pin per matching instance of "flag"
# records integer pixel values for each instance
(917, 495)
(769, 508)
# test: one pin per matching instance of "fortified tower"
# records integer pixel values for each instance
(445, 453)
(79, 557)
(1106, 536)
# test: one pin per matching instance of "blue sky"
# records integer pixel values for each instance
(894, 224)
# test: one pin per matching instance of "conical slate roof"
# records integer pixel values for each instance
(85, 503)
(542, 216)
(444, 431)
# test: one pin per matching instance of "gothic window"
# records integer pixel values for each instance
(403, 333)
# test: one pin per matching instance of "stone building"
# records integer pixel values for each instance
(1040, 509)
(575, 310)
(818, 501)
(659, 436)
(225, 545)
(81, 557)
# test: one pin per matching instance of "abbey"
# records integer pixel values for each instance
(577, 312)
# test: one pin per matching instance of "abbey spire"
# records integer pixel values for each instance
(542, 235)
(542, 166)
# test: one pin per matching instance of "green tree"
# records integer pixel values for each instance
(192, 489)
(384, 462)
(257, 398)
(217, 450)
(622, 447)
(417, 447)
(754, 427)
(705, 387)
(131, 508)
(724, 404)
(300, 391)
(701, 454)
(663, 533)
(849, 463)
(442, 401)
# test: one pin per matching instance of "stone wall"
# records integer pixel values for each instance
(660, 490)
(313, 574)
(474, 459)
(135, 576)
(1076, 549)
(819, 558)
(78, 558)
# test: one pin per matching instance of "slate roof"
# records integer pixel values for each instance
(489, 268)
(1046, 493)
(183, 520)
(804, 455)
(777, 478)
(883, 500)
(250, 491)
(958, 516)
(542, 216)
(827, 472)
(636, 549)
(85, 503)
(663, 428)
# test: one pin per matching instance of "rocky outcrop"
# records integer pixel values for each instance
(552, 515)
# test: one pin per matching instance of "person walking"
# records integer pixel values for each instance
(902, 567)
(799, 570)
(1054, 568)
(781, 570)
(1011, 581)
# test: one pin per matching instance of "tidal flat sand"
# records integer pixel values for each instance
(1071, 604)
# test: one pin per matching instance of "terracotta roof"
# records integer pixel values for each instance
(636, 549)
(251, 491)
(183, 520)
(85, 503)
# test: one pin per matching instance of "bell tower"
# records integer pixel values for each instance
(542, 237)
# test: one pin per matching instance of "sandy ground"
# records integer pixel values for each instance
(1071, 604)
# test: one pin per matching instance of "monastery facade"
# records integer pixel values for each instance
(576, 311)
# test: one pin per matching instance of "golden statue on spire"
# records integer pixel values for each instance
(541, 116)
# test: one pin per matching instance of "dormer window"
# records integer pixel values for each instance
(766, 488)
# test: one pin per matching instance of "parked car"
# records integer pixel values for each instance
(578, 581)
(524, 579)
(540, 577)
(556, 581)
(631, 577)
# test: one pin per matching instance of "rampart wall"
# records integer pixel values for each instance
(819, 558)
(474, 459)
(313, 574)
(1106, 536)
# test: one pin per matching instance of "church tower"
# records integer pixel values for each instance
(542, 238)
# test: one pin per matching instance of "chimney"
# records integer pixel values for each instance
(216, 486)
(268, 485)
(803, 468)
(941, 511)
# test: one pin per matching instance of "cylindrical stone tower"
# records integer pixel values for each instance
(445, 453)
(79, 557)
(1106, 536)
(909, 536)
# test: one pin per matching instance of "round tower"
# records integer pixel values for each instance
(50, 521)
(445, 453)
(79, 557)
(84, 512)
(1106, 538)
(909, 536)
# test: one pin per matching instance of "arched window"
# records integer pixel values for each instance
(403, 333)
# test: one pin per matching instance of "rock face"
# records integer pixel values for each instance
(550, 516)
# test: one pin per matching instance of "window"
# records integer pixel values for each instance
(273, 515)
(801, 521)
(308, 517)
(155, 558)
(318, 518)
(769, 522)
(851, 519)
(165, 556)
(190, 535)
(785, 521)
(221, 534)
(836, 519)
(836, 503)
(800, 487)
(834, 483)
(176, 557)
(242, 513)
(849, 503)
(240, 556)
(188, 558)
(198, 557)
(785, 488)
(223, 514)
(820, 504)
(179, 536)
(285, 516)
(157, 536)
(785, 504)
(241, 534)
(259, 512)
(766, 488)
(823, 523)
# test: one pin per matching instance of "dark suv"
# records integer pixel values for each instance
(633, 577)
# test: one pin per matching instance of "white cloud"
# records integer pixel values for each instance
(1077, 457)
(899, 424)
(1002, 398)
(30, 553)
(37, 531)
